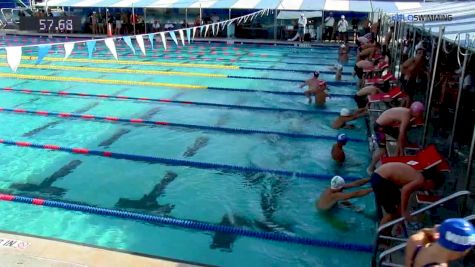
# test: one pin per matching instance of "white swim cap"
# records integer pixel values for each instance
(342, 16)
(344, 112)
(337, 182)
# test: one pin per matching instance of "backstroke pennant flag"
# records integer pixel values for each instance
(128, 41)
(206, 29)
(42, 52)
(182, 37)
(201, 30)
(172, 34)
(151, 36)
(90, 47)
(111, 45)
(68, 49)
(13, 57)
(188, 34)
(212, 29)
(139, 39)
(164, 41)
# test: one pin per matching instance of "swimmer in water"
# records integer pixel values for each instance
(338, 154)
(346, 116)
(316, 88)
(334, 194)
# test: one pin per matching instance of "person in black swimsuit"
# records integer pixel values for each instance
(438, 246)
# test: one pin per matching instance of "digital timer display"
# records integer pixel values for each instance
(48, 25)
(51, 24)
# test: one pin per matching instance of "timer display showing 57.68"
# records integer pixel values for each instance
(60, 25)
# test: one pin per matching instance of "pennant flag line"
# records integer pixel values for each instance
(14, 53)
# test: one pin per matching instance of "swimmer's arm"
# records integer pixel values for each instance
(359, 193)
(305, 83)
(357, 183)
(406, 192)
(401, 140)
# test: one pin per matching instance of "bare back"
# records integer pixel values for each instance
(313, 84)
(326, 200)
(394, 117)
(399, 173)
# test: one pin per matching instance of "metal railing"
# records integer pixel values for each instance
(391, 223)
(389, 251)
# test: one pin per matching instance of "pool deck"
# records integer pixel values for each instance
(16, 250)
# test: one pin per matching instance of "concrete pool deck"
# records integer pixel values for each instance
(22, 250)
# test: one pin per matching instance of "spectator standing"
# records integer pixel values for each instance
(302, 24)
(329, 22)
(342, 29)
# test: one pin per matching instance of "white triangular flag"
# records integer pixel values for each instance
(223, 25)
(111, 45)
(206, 29)
(182, 37)
(194, 33)
(140, 42)
(164, 41)
(212, 29)
(68, 49)
(13, 57)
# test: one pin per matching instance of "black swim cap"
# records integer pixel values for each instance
(316, 74)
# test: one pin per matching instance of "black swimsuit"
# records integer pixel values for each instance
(418, 249)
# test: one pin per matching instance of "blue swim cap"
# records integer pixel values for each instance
(456, 235)
(341, 138)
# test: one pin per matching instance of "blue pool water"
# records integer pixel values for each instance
(256, 201)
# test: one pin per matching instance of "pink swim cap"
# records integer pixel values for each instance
(417, 107)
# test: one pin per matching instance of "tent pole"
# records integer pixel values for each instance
(431, 89)
(470, 161)
(322, 28)
(133, 17)
(457, 106)
(145, 18)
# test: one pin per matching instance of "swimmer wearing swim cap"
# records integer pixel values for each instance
(346, 116)
(440, 245)
(338, 154)
(395, 122)
(334, 194)
(316, 88)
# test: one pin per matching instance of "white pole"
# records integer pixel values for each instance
(431, 89)
(457, 106)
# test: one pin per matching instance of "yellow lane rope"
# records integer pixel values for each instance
(131, 62)
(91, 80)
(111, 70)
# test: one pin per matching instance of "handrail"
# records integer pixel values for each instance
(390, 251)
(403, 245)
(443, 200)
(391, 223)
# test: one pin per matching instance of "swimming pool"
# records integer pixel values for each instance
(247, 112)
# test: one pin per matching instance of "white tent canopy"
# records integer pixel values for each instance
(309, 5)
(296, 14)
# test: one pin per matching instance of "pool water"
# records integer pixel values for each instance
(255, 201)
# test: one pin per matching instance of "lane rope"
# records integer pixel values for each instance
(155, 84)
(164, 100)
(152, 72)
(112, 119)
(130, 62)
(189, 224)
(171, 162)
